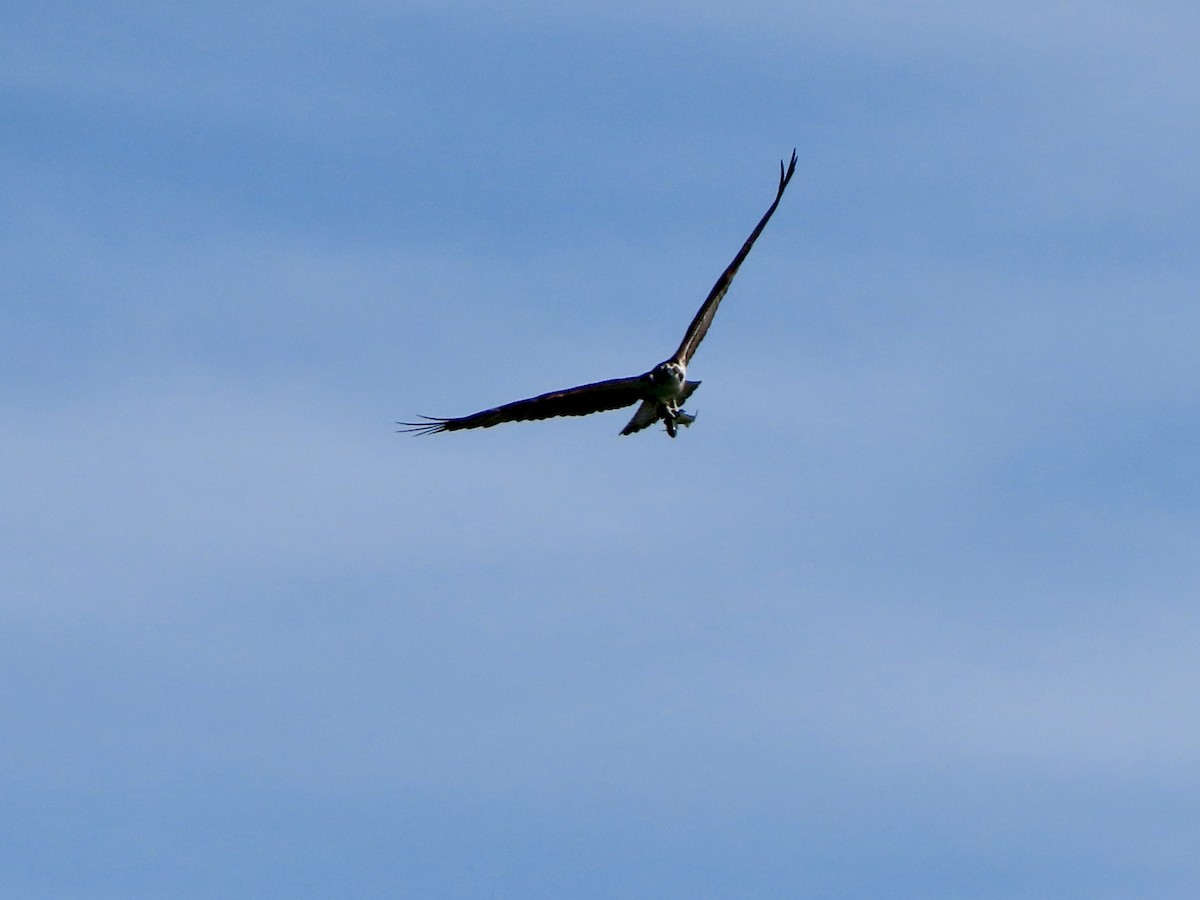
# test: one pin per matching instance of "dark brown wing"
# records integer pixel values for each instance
(699, 327)
(577, 401)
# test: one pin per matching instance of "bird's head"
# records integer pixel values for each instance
(669, 372)
(667, 379)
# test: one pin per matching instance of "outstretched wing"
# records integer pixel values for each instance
(699, 327)
(577, 401)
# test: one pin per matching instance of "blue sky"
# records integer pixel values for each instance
(910, 611)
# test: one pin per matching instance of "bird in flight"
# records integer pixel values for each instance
(661, 391)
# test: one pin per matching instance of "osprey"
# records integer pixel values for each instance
(661, 391)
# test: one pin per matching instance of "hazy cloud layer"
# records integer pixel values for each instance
(910, 610)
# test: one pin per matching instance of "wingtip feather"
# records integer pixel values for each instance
(431, 425)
